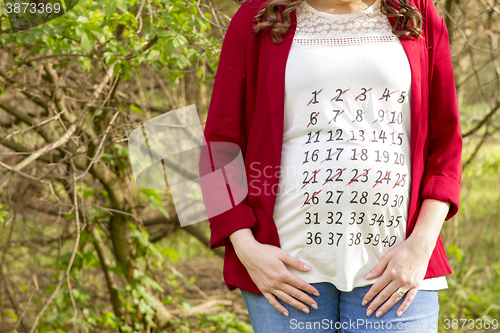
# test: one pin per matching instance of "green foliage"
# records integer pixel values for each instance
(455, 251)
(10, 314)
(170, 35)
(4, 211)
(474, 287)
(464, 300)
(139, 296)
(177, 29)
(142, 244)
(135, 108)
(487, 165)
(154, 201)
(219, 322)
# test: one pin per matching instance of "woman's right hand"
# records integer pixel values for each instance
(266, 266)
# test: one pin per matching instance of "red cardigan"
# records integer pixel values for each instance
(247, 108)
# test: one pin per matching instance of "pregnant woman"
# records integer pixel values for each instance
(347, 119)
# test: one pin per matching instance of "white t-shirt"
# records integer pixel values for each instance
(345, 176)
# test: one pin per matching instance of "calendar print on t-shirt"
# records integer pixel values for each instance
(354, 162)
(345, 173)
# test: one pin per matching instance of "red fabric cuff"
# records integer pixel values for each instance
(239, 217)
(444, 189)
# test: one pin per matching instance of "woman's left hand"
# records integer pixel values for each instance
(404, 267)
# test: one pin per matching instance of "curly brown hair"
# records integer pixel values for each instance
(408, 17)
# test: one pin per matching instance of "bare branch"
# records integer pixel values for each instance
(483, 121)
(71, 129)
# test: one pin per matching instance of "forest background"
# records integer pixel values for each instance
(84, 249)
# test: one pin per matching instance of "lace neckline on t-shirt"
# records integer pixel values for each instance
(370, 9)
(316, 28)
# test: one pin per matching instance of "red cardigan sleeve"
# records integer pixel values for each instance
(443, 167)
(225, 122)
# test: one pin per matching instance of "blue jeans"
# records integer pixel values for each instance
(340, 311)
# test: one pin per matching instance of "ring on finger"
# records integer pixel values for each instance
(400, 292)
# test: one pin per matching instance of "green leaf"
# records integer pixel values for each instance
(171, 254)
(135, 108)
(86, 43)
(155, 251)
(76, 293)
(141, 237)
(88, 193)
(110, 7)
(117, 68)
(82, 19)
(146, 280)
(126, 328)
(10, 314)
(90, 259)
(153, 55)
(163, 211)
(151, 195)
(454, 250)
(474, 299)
(94, 28)
(193, 10)
(50, 289)
(120, 149)
(109, 58)
(104, 193)
(179, 275)
(123, 5)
